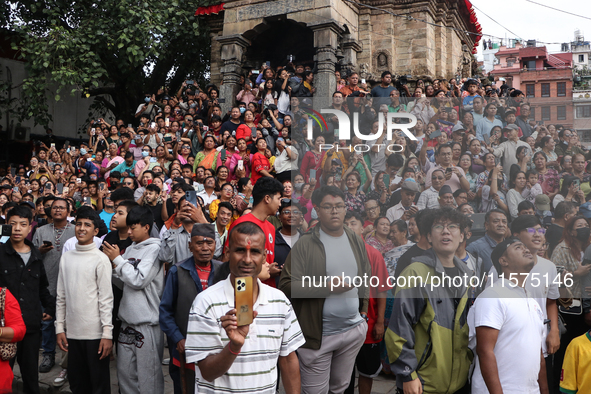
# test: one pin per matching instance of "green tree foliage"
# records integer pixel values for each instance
(111, 51)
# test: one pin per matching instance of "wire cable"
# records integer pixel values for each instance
(559, 10)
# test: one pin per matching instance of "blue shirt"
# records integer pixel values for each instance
(123, 167)
(106, 217)
(483, 248)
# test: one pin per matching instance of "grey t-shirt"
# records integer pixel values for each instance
(25, 257)
(341, 311)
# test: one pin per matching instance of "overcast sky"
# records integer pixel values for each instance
(532, 21)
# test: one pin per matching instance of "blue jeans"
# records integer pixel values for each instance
(48, 337)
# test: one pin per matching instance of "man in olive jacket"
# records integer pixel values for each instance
(332, 312)
(427, 338)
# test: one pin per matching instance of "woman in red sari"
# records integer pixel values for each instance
(260, 164)
(312, 160)
(14, 331)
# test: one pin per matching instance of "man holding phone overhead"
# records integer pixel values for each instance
(276, 340)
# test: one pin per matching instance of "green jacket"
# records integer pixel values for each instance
(428, 333)
(308, 259)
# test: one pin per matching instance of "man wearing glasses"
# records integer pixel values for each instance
(430, 306)
(290, 216)
(333, 318)
(454, 176)
(50, 239)
(527, 229)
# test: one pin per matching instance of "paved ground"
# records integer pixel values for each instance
(382, 384)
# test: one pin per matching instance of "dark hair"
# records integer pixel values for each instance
(56, 199)
(21, 212)
(182, 185)
(439, 147)
(184, 166)
(324, 191)
(525, 205)
(128, 155)
(522, 222)
(354, 214)
(386, 73)
(563, 208)
(458, 192)
(227, 205)
(400, 225)
(128, 204)
(227, 184)
(569, 240)
(375, 222)
(140, 215)
(9, 205)
(567, 181)
(241, 183)
(496, 210)
(89, 213)
(443, 214)
(395, 160)
(265, 186)
(245, 228)
(153, 188)
(462, 205)
(123, 193)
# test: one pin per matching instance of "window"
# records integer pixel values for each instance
(561, 89)
(532, 115)
(530, 64)
(581, 58)
(545, 90)
(530, 90)
(583, 111)
(545, 113)
(561, 112)
(585, 135)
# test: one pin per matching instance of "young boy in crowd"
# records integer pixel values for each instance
(84, 304)
(141, 342)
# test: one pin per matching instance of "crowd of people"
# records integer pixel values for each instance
(115, 247)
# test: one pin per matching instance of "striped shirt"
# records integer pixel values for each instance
(274, 332)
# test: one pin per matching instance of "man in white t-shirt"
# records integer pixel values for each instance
(541, 284)
(507, 328)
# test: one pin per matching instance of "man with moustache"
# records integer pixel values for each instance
(227, 358)
(507, 326)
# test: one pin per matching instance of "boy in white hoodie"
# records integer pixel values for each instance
(141, 342)
(83, 309)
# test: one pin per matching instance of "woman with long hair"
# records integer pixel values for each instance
(468, 123)
(14, 330)
(226, 152)
(467, 165)
(475, 151)
(241, 159)
(380, 237)
(222, 175)
(568, 258)
(312, 159)
(570, 191)
(547, 145)
(485, 125)
(514, 197)
(548, 177)
(208, 156)
(354, 196)
(226, 195)
(261, 166)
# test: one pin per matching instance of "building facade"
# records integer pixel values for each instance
(329, 35)
(545, 79)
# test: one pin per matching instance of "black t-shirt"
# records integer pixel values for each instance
(405, 260)
(113, 239)
(231, 126)
(157, 212)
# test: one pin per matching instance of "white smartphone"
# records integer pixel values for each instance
(362, 80)
(167, 122)
(153, 125)
(241, 164)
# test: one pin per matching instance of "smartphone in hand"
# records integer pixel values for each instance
(244, 300)
(191, 196)
(312, 174)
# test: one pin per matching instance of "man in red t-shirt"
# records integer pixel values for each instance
(266, 196)
(368, 359)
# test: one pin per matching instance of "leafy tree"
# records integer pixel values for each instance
(111, 51)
